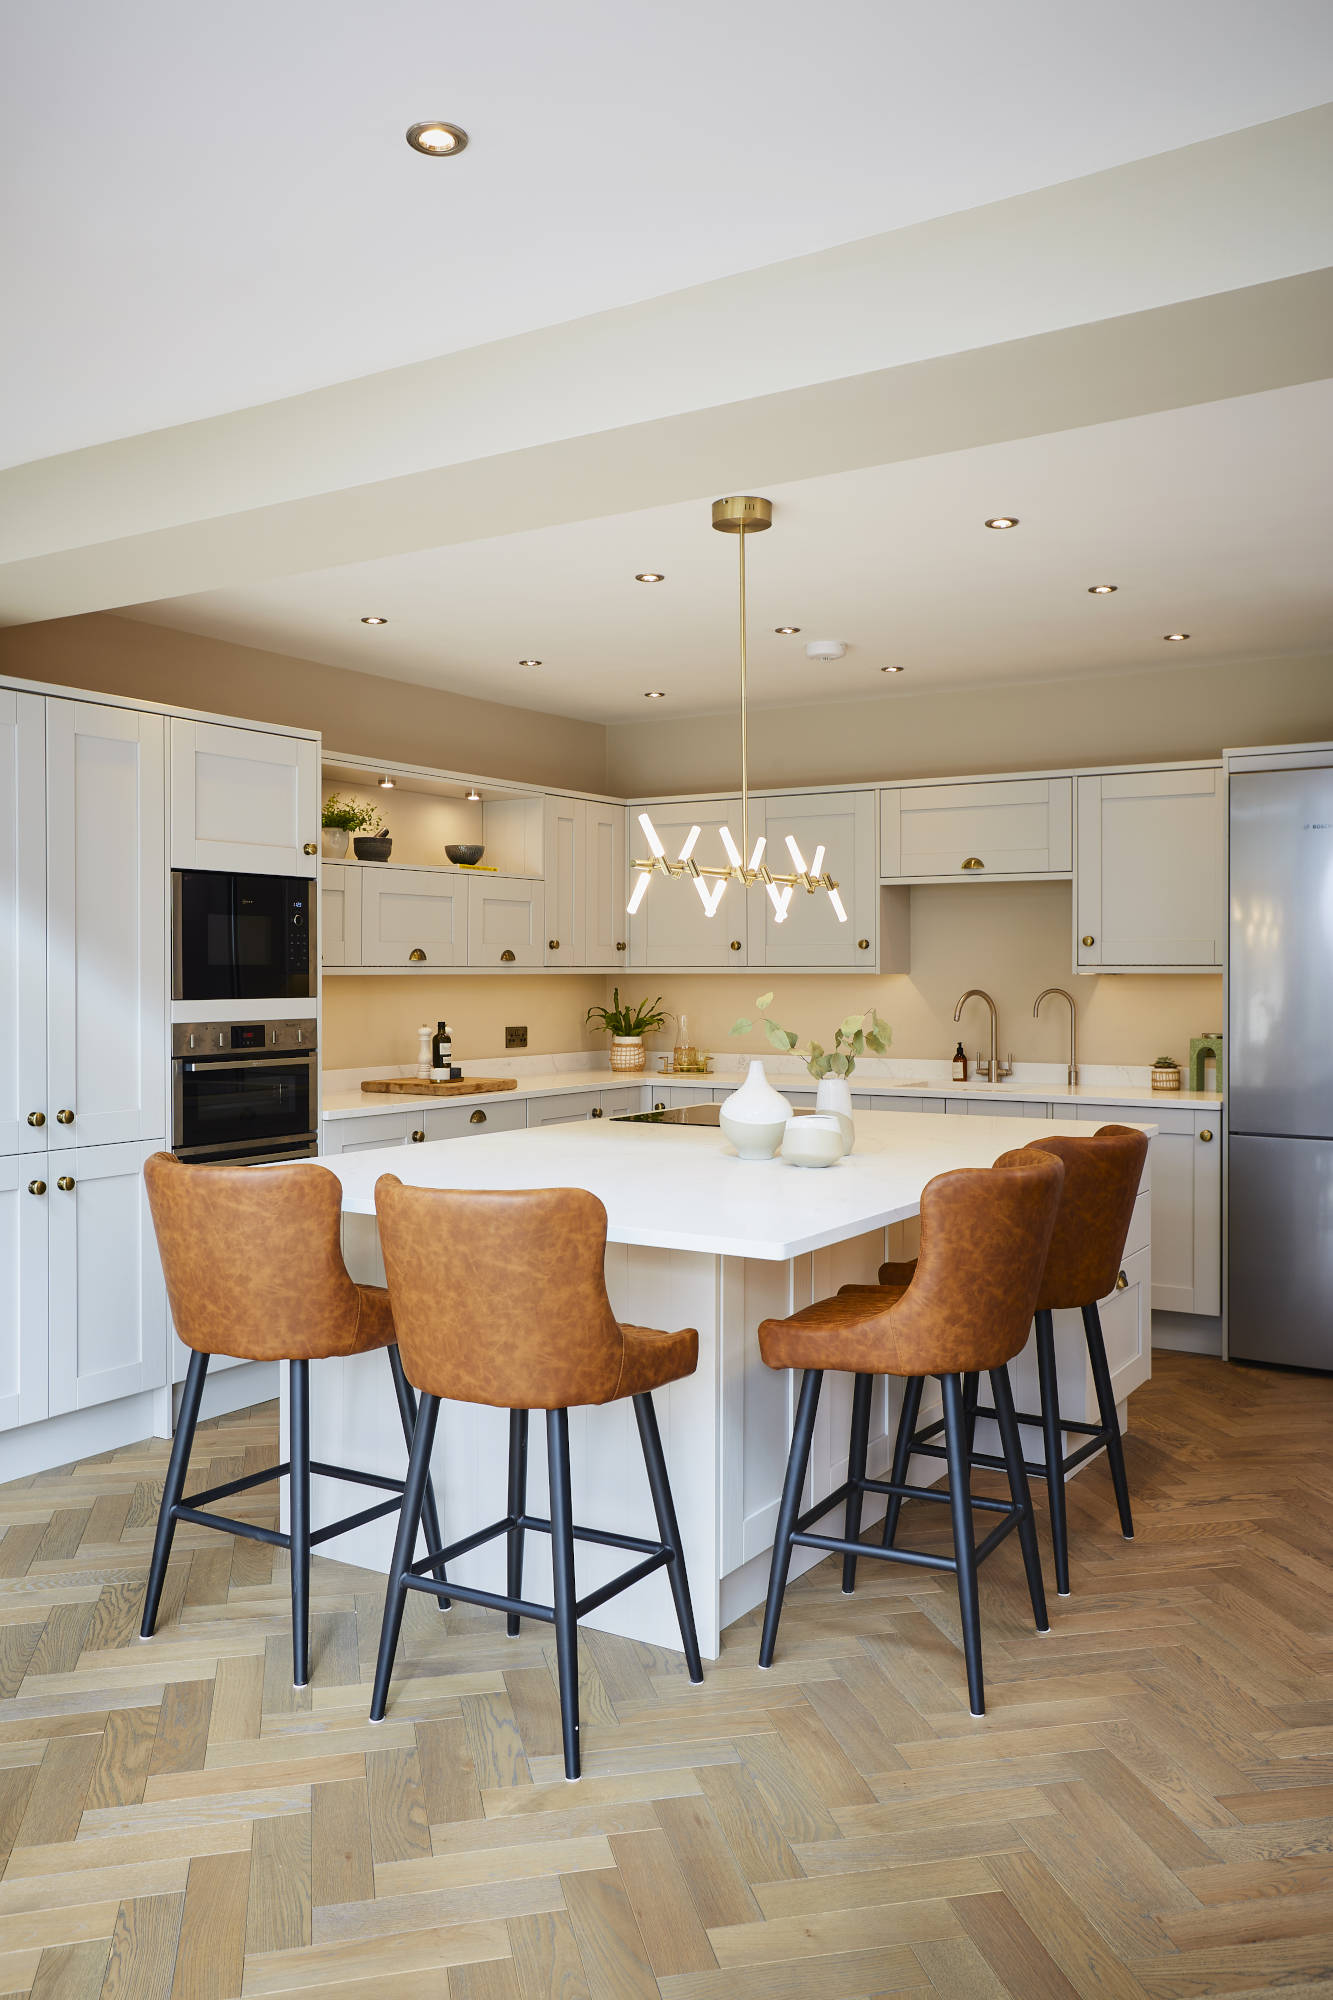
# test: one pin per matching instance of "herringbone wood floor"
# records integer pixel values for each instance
(1147, 1810)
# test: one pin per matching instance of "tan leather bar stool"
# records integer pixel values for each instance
(1102, 1175)
(984, 1232)
(500, 1298)
(254, 1271)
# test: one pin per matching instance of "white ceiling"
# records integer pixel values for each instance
(1212, 519)
(211, 208)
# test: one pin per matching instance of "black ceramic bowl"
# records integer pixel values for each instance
(372, 847)
(467, 854)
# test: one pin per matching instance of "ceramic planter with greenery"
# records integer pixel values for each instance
(627, 1024)
(831, 1068)
(342, 817)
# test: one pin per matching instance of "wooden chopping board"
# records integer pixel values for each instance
(426, 1086)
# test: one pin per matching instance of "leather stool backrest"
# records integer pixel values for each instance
(984, 1237)
(500, 1297)
(252, 1258)
(1102, 1175)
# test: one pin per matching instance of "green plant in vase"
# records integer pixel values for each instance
(342, 817)
(627, 1023)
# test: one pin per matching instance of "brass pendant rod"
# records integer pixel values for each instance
(745, 721)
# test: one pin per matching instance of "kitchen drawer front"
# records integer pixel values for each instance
(504, 922)
(564, 1107)
(1002, 1107)
(363, 1135)
(460, 1121)
(863, 1101)
(407, 910)
(1012, 826)
(1166, 1116)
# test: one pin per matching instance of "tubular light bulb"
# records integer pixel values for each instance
(690, 838)
(710, 898)
(650, 835)
(817, 865)
(781, 898)
(758, 854)
(637, 893)
(836, 901)
(733, 852)
(795, 854)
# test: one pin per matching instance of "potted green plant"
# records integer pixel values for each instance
(627, 1024)
(830, 1068)
(342, 817)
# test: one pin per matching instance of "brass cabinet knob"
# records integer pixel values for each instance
(65, 1183)
(1089, 940)
(1205, 1137)
(735, 944)
(596, 1111)
(417, 1138)
(622, 947)
(478, 1118)
(37, 1118)
(1122, 1282)
(506, 958)
(36, 1187)
(553, 944)
(863, 944)
(416, 956)
(310, 848)
(974, 861)
(659, 1106)
(64, 1118)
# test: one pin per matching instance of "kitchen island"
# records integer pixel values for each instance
(695, 1238)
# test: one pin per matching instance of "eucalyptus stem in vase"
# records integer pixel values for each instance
(854, 1036)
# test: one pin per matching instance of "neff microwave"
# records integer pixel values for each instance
(241, 937)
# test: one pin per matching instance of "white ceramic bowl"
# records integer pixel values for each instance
(814, 1141)
(752, 1142)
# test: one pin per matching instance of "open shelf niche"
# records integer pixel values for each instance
(427, 810)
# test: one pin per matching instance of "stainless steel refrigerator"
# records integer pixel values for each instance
(1279, 1053)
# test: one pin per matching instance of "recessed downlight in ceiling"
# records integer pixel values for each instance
(1174, 638)
(1003, 521)
(1102, 589)
(891, 670)
(654, 694)
(529, 663)
(649, 576)
(433, 137)
(787, 631)
(374, 621)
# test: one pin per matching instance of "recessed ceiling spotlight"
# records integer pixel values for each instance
(891, 670)
(787, 631)
(1173, 638)
(434, 137)
(529, 663)
(1003, 521)
(1102, 589)
(649, 576)
(374, 621)
(386, 783)
(474, 797)
(655, 694)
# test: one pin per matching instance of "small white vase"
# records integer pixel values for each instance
(335, 842)
(754, 1117)
(813, 1141)
(834, 1095)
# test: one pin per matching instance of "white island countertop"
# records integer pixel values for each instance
(681, 1187)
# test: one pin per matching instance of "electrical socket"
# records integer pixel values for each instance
(516, 1038)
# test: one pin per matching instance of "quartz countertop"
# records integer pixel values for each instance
(682, 1187)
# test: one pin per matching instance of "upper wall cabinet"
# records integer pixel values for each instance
(22, 923)
(409, 916)
(811, 937)
(975, 831)
(669, 930)
(504, 922)
(243, 799)
(606, 891)
(1150, 885)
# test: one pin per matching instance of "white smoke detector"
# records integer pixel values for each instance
(825, 649)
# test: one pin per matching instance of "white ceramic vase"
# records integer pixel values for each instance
(813, 1141)
(754, 1117)
(834, 1095)
(335, 842)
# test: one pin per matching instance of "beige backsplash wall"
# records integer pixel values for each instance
(374, 1021)
(1012, 939)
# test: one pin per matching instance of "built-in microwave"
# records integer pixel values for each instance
(241, 937)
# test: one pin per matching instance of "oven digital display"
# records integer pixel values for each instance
(250, 1036)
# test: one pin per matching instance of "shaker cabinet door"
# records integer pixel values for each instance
(504, 922)
(22, 923)
(605, 924)
(23, 1278)
(974, 831)
(564, 832)
(412, 916)
(670, 929)
(244, 799)
(108, 1305)
(340, 914)
(811, 935)
(1150, 881)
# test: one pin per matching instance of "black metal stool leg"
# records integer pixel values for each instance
(902, 1453)
(409, 1520)
(298, 1410)
(562, 1570)
(856, 1471)
(518, 1504)
(1115, 1450)
(668, 1529)
(801, 1438)
(964, 1548)
(1055, 1468)
(1003, 1398)
(407, 1415)
(971, 1386)
(173, 1487)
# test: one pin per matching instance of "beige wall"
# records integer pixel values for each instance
(1116, 719)
(360, 713)
(375, 1020)
(1012, 939)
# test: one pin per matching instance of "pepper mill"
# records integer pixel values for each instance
(423, 1050)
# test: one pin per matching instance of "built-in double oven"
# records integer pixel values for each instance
(243, 1091)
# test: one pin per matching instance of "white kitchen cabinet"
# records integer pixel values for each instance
(669, 931)
(500, 1113)
(22, 924)
(246, 799)
(107, 1300)
(106, 931)
(363, 1135)
(1150, 882)
(504, 922)
(1010, 826)
(564, 835)
(340, 914)
(1186, 1199)
(811, 937)
(566, 1107)
(412, 916)
(23, 1278)
(606, 892)
(998, 1107)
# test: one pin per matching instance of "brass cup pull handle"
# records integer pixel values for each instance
(36, 1187)
(974, 861)
(417, 1138)
(596, 1111)
(64, 1118)
(1089, 940)
(735, 944)
(659, 1106)
(1122, 1282)
(553, 944)
(310, 848)
(863, 944)
(416, 956)
(477, 1118)
(37, 1118)
(506, 958)
(65, 1183)
(1205, 1137)
(622, 947)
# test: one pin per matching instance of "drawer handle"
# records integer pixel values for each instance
(416, 956)
(622, 947)
(417, 1138)
(596, 1111)
(36, 1187)
(310, 847)
(553, 944)
(506, 958)
(65, 1183)
(863, 944)
(37, 1118)
(1205, 1137)
(735, 944)
(1089, 940)
(659, 1106)
(64, 1118)
(974, 861)
(477, 1118)
(1122, 1283)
